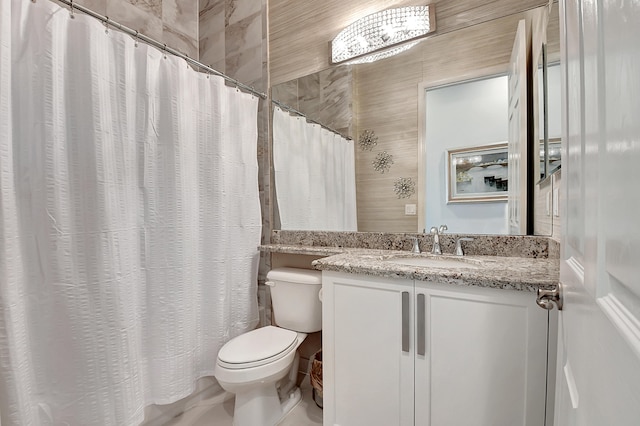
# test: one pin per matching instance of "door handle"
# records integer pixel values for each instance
(421, 346)
(546, 298)
(405, 321)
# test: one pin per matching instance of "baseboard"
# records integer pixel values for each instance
(208, 391)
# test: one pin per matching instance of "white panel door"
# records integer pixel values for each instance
(517, 206)
(367, 368)
(484, 362)
(598, 376)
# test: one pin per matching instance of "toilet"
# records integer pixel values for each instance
(260, 367)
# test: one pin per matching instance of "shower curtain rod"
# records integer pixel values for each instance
(295, 111)
(162, 46)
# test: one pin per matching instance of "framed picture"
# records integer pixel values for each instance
(478, 174)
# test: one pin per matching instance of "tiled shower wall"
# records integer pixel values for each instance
(233, 40)
(174, 22)
(325, 96)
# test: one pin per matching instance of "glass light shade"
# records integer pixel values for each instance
(382, 34)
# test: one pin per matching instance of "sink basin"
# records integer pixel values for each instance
(432, 262)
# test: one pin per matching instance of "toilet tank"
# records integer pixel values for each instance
(295, 298)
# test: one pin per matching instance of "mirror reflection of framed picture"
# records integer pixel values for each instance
(478, 174)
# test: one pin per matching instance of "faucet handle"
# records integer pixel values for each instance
(416, 245)
(459, 251)
(442, 229)
(436, 241)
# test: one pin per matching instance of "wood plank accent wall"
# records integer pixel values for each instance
(300, 31)
(553, 34)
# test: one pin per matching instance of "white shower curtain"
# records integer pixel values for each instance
(129, 221)
(314, 175)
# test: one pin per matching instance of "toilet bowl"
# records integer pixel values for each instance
(260, 367)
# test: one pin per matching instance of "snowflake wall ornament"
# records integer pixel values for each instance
(404, 187)
(383, 162)
(367, 140)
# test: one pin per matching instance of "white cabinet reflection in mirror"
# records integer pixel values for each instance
(402, 352)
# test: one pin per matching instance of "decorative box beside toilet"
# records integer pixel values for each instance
(260, 367)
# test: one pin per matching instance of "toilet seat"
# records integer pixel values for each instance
(258, 347)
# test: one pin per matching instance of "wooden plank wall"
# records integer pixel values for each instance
(553, 34)
(300, 31)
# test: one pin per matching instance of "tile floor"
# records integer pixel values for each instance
(219, 412)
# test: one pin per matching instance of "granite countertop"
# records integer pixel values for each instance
(301, 249)
(512, 273)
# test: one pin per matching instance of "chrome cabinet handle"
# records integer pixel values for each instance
(405, 321)
(421, 325)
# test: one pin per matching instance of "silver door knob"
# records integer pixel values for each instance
(547, 298)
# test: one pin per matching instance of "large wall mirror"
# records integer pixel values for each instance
(378, 104)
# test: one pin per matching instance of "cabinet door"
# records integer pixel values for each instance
(484, 359)
(367, 370)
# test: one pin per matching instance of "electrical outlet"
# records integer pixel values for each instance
(556, 202)
(548, 203)
(410, 209)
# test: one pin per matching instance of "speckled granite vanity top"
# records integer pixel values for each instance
(514, 273)
(523, 263)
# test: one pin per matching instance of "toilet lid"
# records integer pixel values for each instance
(257, 347)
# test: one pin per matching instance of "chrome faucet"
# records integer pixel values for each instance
(459, 251)
(436, 232)
(416, 246)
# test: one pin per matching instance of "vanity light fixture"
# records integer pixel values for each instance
(382, 34)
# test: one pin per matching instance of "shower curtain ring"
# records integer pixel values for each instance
(136, 39)
(106, 25)
(71, 11)
(164, 49)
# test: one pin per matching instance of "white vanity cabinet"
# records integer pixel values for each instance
(367, 377)
(404, 352)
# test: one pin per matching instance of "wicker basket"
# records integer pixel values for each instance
(316, 377)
